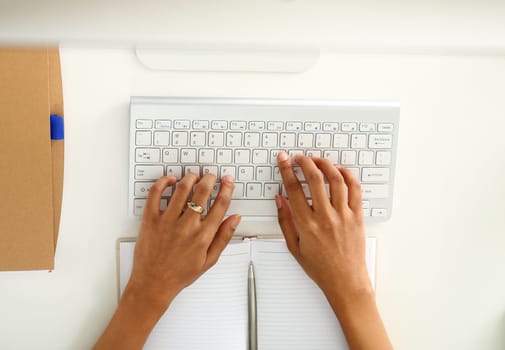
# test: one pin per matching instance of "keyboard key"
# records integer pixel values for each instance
(219, 124)
(163, 124)
(257, 125)
(206, 155)
(367, 127)
(188, 155)
(138, 206)
(365, 204)
(269, 139)
(252, 207)
(332, 156)
(323, 140)
(379, 212)
(238, 190)
(216, 139)
(374, 191)
(385, 127)
(224, 156)
(348, 158)
(143, 138)
(349, 127)
(242, 156)
(253, 189)
(312, 126)
(201, 124)
(147, 155)
(293, 152)
(238, 125)
(227, 171)
(148, 172)
(375, 175)
(197, 138)
(358, 141)
(246, 173)
(195, 169)
(179, 138)
(365, 158)
(277, 174)
(260, 156)
(330, 126)
(270, 190)
(209, 169)
(252, 139)
(305, 140)
(380, 141)
(182, 124)
(174, 170)
(263, 173)
(366, 211)
(161, 138)
(170, 155)
(293, 126)
(383, 158)
(340, 140)
(273, 155)
(233, 139)
(288, 140)
(141, 189)
(144, 124)
(313, 153)
(275, 126)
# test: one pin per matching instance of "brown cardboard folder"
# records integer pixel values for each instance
(31, 165)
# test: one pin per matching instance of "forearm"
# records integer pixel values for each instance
(131, 324)
(360, 320)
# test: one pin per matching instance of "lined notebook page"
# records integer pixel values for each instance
(292, 311)
(209, 314)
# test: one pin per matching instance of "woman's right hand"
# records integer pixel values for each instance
(327, 238)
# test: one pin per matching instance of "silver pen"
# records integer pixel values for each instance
(253, 327)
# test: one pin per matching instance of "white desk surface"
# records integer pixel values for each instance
(441, 259)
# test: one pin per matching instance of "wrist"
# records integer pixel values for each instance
(150, 300)
(349, 293)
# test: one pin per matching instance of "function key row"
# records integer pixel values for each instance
(184, 124)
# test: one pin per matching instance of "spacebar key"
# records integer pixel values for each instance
(252, 207)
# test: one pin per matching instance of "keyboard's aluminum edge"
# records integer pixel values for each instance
(183, 100)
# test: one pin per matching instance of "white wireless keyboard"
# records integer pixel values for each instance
(242, 138)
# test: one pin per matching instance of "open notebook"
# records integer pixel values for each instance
(212, 313)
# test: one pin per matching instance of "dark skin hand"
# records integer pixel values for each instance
(177, 246)
(327, 239)
(173, 249)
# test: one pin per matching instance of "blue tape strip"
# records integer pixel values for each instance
(57, 129)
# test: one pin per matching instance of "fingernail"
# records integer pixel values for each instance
(283, 156)
(227, 178)
(236, 221)
(278, 201)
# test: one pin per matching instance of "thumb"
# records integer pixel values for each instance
(285, 217)
(221, 239)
